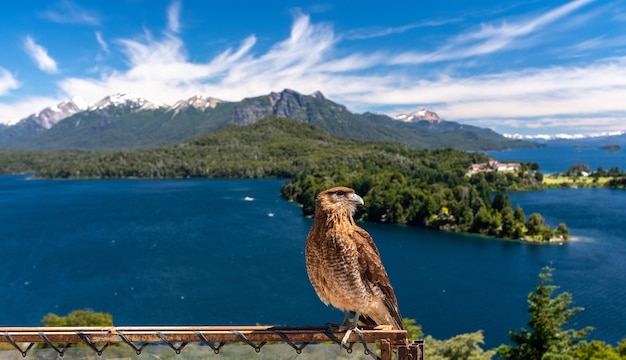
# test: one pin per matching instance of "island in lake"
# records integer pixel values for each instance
(611, 148)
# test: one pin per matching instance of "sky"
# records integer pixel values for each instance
(525, 67)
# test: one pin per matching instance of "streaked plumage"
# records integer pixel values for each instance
(344, 265)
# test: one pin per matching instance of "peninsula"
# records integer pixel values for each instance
(424, 188)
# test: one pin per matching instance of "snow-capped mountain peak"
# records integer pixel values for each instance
(80, 102)
(198, 101)
(421, 115)
(49, 116)
(135, 101)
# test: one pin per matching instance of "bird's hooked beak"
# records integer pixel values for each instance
(356, 199)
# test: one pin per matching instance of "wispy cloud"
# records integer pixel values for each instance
(573, 94)
(373, 32)
(67, 12)
(7, 82)
(307, 61)
(159, 68)
(311, 59)
(103, 44)
(40, 55)
(173, 16)
(489, 38)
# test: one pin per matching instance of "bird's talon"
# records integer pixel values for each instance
(358, 331)
(344, 341)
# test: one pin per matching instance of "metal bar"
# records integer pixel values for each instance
(187, 334)
(8, 338)
(419, 344)
(215, 336)
(385, 349)
(93, 347)
(413, 351)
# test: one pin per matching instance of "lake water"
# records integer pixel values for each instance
(553, 159)
(219, 252)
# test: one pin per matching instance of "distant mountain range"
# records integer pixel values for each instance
(127, 121)
(596, 139)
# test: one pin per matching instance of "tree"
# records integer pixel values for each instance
(546, 233)
(621, 348)
(482, 220)
(413, 331)
(508, 222)
(562, 231)
(459, 347)
(614, 171)
(519, 215)
(534, 224)
(500, 202)
(534, 166)
(598, 350)
(546, 338)
(518, 232)
(78, 318)
(577, 170)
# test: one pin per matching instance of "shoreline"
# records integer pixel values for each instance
(556, 241)
(553, 241)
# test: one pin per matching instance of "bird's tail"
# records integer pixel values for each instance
(394, 321)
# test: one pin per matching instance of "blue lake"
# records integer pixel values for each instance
(559, 158)
(218, 252)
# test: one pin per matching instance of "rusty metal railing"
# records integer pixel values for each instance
(216, 337)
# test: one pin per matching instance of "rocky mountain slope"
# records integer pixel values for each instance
(127, 121)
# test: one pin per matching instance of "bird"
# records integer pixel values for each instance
(344, 264)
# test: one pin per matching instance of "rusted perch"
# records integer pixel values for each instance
(188, 334)
(214, 336)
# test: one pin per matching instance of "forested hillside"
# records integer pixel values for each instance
(426, 188)
(126, 127)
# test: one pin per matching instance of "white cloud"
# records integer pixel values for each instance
(489, 38)
(159, 68)
(173, 16)
(308, 60)
(575, 95)
(373, 32)
(67, 12)
(40, 55)
(103, 44)
(7, 82)
(552, 83)
(554, 125)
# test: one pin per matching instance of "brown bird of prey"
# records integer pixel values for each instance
(344, 264)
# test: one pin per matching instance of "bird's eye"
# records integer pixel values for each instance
(341, 192)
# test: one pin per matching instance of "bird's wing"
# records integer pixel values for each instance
(373, 271)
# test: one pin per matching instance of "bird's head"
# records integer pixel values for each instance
(338, 200)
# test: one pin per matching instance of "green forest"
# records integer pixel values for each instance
(424, 188)
(581, 176)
